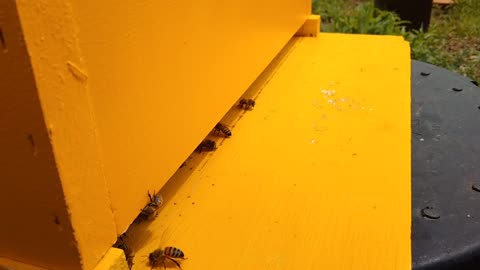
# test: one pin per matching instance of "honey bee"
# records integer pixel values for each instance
(221, 128)
(129, 255)
(247, 104)
(150, 210)
(207, 145)
(159, 256)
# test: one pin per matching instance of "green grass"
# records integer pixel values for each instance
(453, 41)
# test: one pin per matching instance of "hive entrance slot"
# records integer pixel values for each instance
(3, 45)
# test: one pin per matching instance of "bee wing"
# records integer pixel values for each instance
(158, 200)
(167, 239)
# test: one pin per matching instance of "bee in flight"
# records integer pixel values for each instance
(129, 255)
(247, 104)
(159, 256)
(207, 145)
(221, 128)
(150, 210)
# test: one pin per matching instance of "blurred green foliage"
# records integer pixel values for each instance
(452, 42)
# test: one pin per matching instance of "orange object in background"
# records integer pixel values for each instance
(443, 2)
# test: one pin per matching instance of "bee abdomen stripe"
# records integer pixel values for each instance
(176, 252)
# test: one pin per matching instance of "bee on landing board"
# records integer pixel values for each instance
(247, 104)
(221, 128)
(207, 145)
(129, 255)
(159, 256)
(150, 210)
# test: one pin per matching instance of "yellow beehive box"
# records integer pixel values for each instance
(102, 102)
(316, 176)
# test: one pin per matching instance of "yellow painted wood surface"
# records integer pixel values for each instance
(8, 264)
(317, 176)
(162, 73)
(310, 28)
(113, 260)
(126, 91)
(35, 225)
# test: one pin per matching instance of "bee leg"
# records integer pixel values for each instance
(175, 263)
(150, 196)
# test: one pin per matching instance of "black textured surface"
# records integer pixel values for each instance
(445, 170)
(417, 12)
